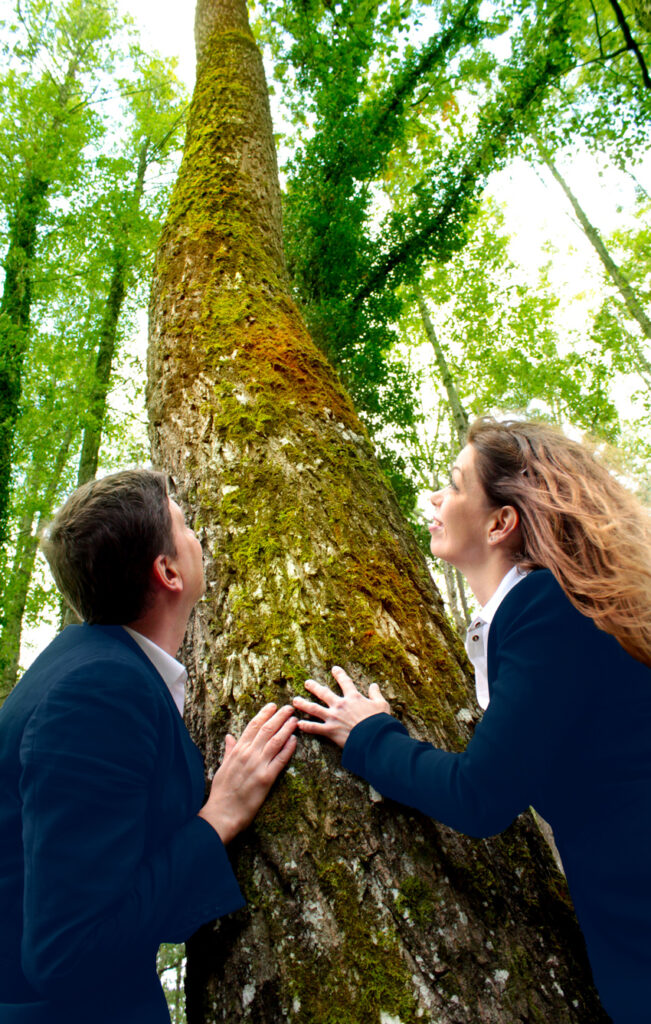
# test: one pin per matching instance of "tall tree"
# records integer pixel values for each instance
(99, 227)
(356, 908)
(56, 50)
(615, 273)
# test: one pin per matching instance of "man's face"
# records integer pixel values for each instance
(188, 558)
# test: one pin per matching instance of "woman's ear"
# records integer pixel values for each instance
(504, 525)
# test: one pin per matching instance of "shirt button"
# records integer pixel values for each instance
(476, 637)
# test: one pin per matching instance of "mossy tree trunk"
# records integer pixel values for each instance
(358, 911)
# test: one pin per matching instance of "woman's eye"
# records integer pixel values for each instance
(452, 485)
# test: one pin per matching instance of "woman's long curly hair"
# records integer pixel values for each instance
(576, 520)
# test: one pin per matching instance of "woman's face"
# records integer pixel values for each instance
(462, 517)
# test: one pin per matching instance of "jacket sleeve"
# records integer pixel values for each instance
(96, 894)
(520, 745)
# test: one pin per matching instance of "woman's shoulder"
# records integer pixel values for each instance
(539, 600)
(537, 585)
(538, 616)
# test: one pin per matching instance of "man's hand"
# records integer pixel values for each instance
(250, 767)
(339, 714)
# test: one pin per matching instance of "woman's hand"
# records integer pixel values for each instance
(250, 767)
(339, 714)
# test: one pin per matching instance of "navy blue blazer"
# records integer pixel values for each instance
(102, 854)
(567, 730)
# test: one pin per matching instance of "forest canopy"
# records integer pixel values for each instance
(398, 124)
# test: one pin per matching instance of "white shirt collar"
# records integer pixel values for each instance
(513, 576)
(477, 635)
(173, 673)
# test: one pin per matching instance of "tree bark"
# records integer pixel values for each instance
(358, 910)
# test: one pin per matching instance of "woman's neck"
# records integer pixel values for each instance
(485, 579)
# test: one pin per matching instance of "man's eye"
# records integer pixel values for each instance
(452, 485)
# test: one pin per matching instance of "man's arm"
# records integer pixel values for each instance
(98, 893)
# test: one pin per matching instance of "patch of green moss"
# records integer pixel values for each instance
(365, 975)
(416, 898)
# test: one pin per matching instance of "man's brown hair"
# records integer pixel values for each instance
(103, 541)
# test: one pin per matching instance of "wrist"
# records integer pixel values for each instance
(223, 825)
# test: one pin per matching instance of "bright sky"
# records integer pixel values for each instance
(168, 27)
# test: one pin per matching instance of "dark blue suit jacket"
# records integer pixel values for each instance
(567, 730)
(102, 855)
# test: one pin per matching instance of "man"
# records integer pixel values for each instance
(107, 844)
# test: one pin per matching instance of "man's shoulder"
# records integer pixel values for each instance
(85, 645)
(79, 657)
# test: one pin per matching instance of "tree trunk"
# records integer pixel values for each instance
(14, 324)
(358, 910)
(459, 414)
(92, 437)
(617, 277)
(15, 307)
(38, 507)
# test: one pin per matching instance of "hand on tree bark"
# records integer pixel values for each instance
(339, 714)
(250, 767)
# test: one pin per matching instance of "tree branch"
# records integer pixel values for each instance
(630, 42)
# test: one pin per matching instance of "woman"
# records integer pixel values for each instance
(558, 554)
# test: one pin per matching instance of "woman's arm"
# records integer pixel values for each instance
(521, 745)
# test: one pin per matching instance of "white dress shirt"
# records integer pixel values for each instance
(477, 635)
(173, 673)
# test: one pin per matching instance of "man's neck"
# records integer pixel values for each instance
(163, 626)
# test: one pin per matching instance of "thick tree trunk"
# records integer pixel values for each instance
(358, 910)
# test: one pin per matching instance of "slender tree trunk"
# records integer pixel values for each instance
(461, 586)
(460, 621)
(14, 325)
(15, 306)
(109, 332)
(454, 581)
(38, 508)
(356, 909)
(92, 436)
(459, 414)
(616, 275)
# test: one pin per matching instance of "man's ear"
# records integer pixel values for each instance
(165, 575)
(504, 525)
